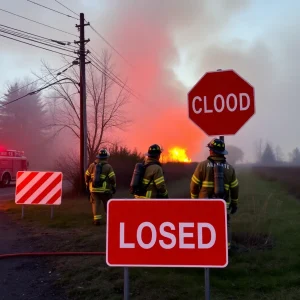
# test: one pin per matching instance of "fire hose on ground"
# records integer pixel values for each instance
(10, 255)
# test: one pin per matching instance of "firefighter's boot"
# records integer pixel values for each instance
(96, 222)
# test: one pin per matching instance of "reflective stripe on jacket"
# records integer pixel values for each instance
(154, 180)
(107, 173)
(202, 181)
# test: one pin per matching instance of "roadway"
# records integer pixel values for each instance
(8, 193)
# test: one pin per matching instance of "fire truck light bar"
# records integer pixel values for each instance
(12, 153)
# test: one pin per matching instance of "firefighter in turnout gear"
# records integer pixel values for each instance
(100, 180)
(148, 178)
(215, 178)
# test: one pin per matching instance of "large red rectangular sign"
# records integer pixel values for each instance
(167, 233)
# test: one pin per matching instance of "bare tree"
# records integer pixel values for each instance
(295, 156)
(279, 154)
(105, 102)
(67, 164)
(258, 149)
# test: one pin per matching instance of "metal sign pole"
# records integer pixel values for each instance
(22, 211)
(126, 283)
(207, 284)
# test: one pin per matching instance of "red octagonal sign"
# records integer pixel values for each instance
(221, 102)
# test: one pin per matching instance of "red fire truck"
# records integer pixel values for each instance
(11, 161)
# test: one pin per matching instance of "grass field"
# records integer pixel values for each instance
(265, 262)
(287, 176)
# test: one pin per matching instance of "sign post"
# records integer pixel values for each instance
(220, 103)
(126, 283)
(167, 233)
(207, 284)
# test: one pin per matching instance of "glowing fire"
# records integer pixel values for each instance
(177, 154)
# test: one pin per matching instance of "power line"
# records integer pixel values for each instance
(52, 9)
(60, 73)
(22, 87)
(30, 39)
(37, 40)
(96, 33)
(110, 45)
(102, 64)
(66, 7)
(59, 97)
(34, 92)
(37, 22)
(103, 71)
(110, 72)
(71, 79)
(119, 82)
(122, 86)
(37, 46)
(40, 37)
(102, 37)
(15, 100)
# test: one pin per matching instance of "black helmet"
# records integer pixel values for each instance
(154, 150)
(103, 153)
(217, 146)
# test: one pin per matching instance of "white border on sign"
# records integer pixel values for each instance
(167, 266)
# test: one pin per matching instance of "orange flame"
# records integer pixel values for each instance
(177, 154)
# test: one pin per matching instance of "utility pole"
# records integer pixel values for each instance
(83, 117)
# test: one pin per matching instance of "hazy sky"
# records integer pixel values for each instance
(171, 45)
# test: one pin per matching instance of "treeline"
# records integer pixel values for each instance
(274, 156)
(24, 124)
(123, 161)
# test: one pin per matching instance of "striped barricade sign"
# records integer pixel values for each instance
(38, 188)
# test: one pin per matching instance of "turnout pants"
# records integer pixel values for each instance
(96, 199)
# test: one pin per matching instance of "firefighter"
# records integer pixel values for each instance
(215, 178)
(151, 179)
(100, 180)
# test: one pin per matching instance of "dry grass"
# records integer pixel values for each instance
(287, 176)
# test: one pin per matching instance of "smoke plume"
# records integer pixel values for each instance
(149, 34)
